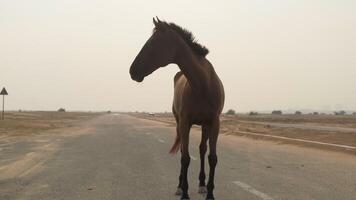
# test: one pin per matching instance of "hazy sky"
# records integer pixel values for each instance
(274, 54)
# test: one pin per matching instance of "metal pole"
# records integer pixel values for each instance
(3, 103)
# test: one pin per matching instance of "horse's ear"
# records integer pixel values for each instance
(162, 26)
(155, 22)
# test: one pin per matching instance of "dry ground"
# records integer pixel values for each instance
(327, 120)
(27, 123)
(267, 124)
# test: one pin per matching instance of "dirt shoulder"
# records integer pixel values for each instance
(271, 129)
(346, 121)
(28, 123)
(29, 139)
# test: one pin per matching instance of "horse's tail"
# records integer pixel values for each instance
(176, 145)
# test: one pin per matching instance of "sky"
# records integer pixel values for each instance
(276, 54)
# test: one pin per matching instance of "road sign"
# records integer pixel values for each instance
(3, 93)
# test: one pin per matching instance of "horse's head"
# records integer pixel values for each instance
(157, 52)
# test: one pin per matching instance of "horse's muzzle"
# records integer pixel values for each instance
(136, 78)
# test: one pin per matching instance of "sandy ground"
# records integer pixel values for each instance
(28, 123)
(29, 139)
(340, 130)
(327, 120)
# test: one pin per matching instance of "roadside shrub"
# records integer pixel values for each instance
(231, 112)
(61, 110)
(276, 112)
(342, 112)
(298, 113)
(253, 113)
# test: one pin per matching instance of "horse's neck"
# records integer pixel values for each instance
(193, 69)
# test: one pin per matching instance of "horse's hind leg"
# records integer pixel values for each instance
(179, 188)
(213, 137)
(202, 151)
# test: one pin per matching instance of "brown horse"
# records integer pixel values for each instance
(198, 94)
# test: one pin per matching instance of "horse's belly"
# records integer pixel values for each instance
(198, 109)
(202, 116)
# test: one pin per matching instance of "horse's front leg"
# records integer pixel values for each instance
(179, 188)
(202, 151)
(184, 129)
(213, 159)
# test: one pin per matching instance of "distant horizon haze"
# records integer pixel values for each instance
(270, 55)
(286, 111)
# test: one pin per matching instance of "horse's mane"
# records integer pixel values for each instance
(189, 38)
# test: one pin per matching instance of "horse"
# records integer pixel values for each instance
(198, 95)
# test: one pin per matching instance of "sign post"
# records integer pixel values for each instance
(3, 93)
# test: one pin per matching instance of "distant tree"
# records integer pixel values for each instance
(109, 111)
(231, 112)
(61, 110)
(354, 113)
(253, 113)
(276, 112)
(298, 113)
(341, 112)
(315, 113)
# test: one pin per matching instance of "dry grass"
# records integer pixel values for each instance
(245, 123)
(27, 123)
(329, 120)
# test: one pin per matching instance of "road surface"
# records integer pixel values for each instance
(121, 157)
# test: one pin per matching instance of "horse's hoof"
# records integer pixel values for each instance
(179, 192)
(210, 197)
(185, 197)
(202, 190)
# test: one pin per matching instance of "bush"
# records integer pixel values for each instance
(340, 112)
(61, 110)
(231, 112)
(315, 113)
(253, 113)
(276, 112)
(298, 113)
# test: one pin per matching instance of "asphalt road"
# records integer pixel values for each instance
(122, 157)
